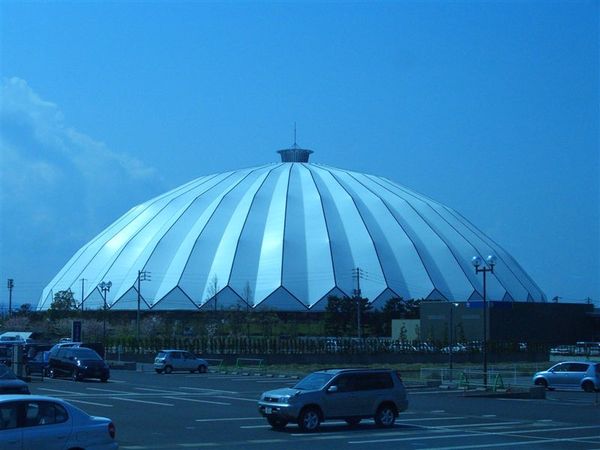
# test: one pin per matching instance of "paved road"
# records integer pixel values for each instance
(187, 411)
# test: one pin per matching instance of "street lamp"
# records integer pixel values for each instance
(484, 267)
(450, 347)
(104, 287)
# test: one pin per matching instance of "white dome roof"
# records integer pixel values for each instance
(286, 236)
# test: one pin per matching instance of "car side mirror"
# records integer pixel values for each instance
(332, 389)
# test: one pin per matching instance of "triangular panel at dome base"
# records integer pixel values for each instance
(227, 299)
(436, 295)
(280, 300)
(94, 301)
(129, 301)
(174, 301)
(475, 296)
(382, 298)
(321, 305)
(507, 298)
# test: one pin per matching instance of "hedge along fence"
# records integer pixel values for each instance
(268, 345)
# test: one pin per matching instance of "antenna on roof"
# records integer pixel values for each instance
(295, 144)
(295, 153)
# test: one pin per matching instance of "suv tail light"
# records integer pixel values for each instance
(112, 430)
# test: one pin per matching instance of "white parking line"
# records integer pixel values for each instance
(197, 401)
(504, 444)
(277, 381)
(57, 390)
(229, 419)
(160, 391)
(246, 427)
(141, 401)
(427, 419)
(108, 391)
(238, 398)
(220, 391)
(89, 403)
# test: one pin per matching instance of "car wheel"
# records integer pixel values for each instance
(276, 422)
(385, 416)
(588, 386)
(202, 369)
(541, 382)
(352, 421)
(159, 370)
(309, 419)
(168, 369)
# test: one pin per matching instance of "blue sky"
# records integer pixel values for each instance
(491, 108)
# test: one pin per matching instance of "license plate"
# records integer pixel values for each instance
(268, 410)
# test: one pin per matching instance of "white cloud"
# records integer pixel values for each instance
(58, 186)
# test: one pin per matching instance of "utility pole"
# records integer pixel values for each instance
(358, 274)
(82, 292)
(143, 275)
(11, 284)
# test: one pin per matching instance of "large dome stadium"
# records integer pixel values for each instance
(286, 236)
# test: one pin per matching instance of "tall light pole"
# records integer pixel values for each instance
(357, 273)
(82, 292)
(450, 347)
(143, 275)
(484, 267)
(104, 288)
(10, 285)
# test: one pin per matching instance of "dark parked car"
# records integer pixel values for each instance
(38, 364)
(10, 384)
(78, 363)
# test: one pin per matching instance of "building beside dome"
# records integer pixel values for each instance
(286, 236)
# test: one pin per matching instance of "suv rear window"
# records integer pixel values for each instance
(578, 367)
(372, 381)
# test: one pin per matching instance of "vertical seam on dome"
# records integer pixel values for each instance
(106, 231)
(210, 218)
(229, 175)
(237, 244)
(287, 193)
(434, 229)
(386, 205)
(493, 244)
(363, 222)
(334, 273)
(148, 222)
(463, 237)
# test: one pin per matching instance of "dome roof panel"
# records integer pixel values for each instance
(291, 233)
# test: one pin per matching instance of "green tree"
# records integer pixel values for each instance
(63, 301)
(341, 315)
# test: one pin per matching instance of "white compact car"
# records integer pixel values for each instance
(169, 360)
(33, 422)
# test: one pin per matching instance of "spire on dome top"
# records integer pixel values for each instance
(295, 153)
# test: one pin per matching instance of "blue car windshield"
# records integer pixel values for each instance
(314, 381)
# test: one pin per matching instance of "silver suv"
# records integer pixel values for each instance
(348, 394)
(169, 360)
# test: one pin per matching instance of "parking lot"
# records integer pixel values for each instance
(183, 410)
